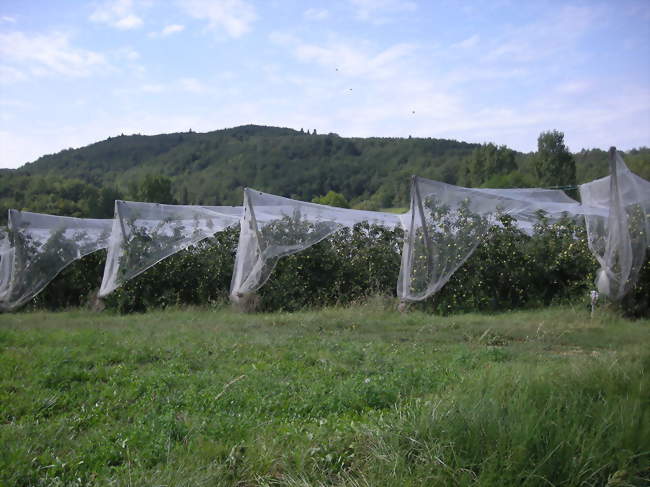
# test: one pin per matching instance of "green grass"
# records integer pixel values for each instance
(351, 397)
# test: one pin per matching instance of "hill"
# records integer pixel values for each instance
(213, 167)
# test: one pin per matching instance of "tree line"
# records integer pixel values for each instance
(212, 169)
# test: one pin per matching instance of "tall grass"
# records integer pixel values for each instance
(358, 396)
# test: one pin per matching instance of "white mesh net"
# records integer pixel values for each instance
(448, 222)
(143, 234)
(41, 246)
(443, 227)
(619, 237)
(6, 253)
(274, 227)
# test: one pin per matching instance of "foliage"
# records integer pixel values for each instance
(350, 265)
(441, 243)
(554, 165)
(508, 270)
(155, 189)
(212, 169)
(75, 286)
(346, 397)
(41, 259)
(512, 270)
(198, 275)
(594, 163)
(486, 162)
(332, 198)
(103, 204)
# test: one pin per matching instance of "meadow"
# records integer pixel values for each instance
(348, 396)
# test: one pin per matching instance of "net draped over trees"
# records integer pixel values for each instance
(619, 236)
(446, 223)
(143, 234)
(41, 246)
(274, 227)
(442, 228)
(6, 251)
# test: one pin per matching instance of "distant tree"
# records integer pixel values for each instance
(554, 165)
(133, 190)
(156, 189)
(486, 162)
(103, 205)
(185, 197)
(332, 198)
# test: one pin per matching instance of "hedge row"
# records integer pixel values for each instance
(509, 270)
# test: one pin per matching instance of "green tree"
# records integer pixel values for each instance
(103, 204)
(554, 165)
(332, 198)
(487, 161)
(157, 189)
(185, 198)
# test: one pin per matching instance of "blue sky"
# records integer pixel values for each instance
(74, 72)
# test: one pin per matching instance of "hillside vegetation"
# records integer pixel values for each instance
(212, 168)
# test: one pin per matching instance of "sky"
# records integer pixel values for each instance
(75, 72)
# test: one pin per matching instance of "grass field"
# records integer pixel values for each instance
(351, 397)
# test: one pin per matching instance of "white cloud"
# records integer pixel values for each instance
(18, 149)
(6, 19)
(192, 85)
(380, 11)
(9, 75)
(235, 17)
(119, 14)
(167, 31)
(172, 29)
(345, 58)
(556, 33)
(468, 43)
(128, 22)
(49, 54)
(574, 87)
(283, 38)
(316, 14)
(395, 93)
(127, 53)
(153, 88)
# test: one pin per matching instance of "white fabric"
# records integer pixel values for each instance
(6, 254)
(143, 234)
(41, 246)
(448, 222)
(443, 227)
(620, 236)
(274, 227)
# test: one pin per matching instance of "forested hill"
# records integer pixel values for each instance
(212, 168)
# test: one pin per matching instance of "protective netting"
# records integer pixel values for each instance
(274, 227)
(143, 234)
(620, 236)
(41, 246)
(444, 225)
(5, 261)
(448, 222)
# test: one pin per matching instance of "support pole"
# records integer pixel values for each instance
(425, 230)
(612, 166)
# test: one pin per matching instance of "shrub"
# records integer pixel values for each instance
(509, 270)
